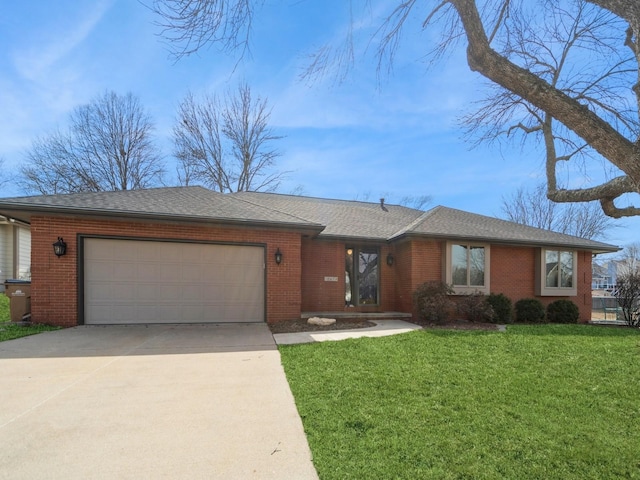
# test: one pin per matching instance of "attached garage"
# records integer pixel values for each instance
(140, 281)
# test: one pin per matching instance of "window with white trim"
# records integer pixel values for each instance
(556, 273)
(467, 267)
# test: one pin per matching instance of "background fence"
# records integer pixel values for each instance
(605, 308)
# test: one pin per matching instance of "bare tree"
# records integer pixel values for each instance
(108, 147)
(5, 177)
(417, 202)
(629, 259)
(518, 46)
(225, 144)
(533, 208)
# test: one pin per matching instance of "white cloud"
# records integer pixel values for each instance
(34, 62)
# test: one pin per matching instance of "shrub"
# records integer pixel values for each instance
(627, 293)
(432, 301)
(475, 307)
(563, 311)
(502, 307)
(529, 310)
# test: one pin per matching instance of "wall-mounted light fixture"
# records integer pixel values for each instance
(278, 256)
(390, 259)
(60, 247)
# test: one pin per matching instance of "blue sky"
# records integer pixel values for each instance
(362, 138)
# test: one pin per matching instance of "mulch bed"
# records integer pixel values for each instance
(301, 325)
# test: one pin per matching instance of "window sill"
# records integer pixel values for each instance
(457, 290)
(558, 292)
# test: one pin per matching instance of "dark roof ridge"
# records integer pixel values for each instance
(416, 222)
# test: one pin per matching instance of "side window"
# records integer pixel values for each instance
(556, 275)
(467, 267)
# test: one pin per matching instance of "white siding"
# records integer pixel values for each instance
(6, 253)
(23, 266)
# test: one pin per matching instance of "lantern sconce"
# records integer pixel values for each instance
(60, 247)
(390, 259)
(278, 256)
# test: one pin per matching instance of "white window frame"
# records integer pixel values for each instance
(541, 268)
(462, 290)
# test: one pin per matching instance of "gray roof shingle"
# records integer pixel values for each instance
(342, 218)
(352, 219)
(178, 203)
(451, 223)
(328, 217)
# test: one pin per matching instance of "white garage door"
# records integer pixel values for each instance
(130, 281)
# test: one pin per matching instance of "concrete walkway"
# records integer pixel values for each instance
(383, 328)
(125, 402)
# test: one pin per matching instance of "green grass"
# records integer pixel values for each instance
(536, 402)
(4, 308)
(10, 331)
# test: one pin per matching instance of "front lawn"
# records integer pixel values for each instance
(9, 331)
(536, 402)
(4, 308)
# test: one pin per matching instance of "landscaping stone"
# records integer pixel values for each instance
(321, 321)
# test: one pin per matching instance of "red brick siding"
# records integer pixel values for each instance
(55, 282)
(298, 284)
(419, 261)
(513, 274)
(324, 258)
(403, 268)
(513, 271)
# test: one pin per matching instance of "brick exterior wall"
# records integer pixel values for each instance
(298, 284)
(54, 284)
(419, 261)
(325, 258)
(512, 273)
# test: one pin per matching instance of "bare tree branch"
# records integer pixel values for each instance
(531, 207)
(543, 53)
(225, 145)
(108, 147)
(191, 25)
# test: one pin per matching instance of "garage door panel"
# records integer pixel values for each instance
(129, 281)
(236, 313)
(146, 271)
(194, 273)
(122, 270)
(103, 293)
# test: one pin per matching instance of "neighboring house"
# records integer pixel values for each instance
(15, 251)
(190, 255)
(605, 275)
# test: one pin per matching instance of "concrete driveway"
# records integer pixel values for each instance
(201, 401)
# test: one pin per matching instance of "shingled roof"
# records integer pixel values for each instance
(196, 204)
(328, 218)
(447, 222)
(342, 218)
(365, 220)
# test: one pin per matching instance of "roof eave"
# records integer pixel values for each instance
(603, 248)
(351, 238)
(18, 212)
